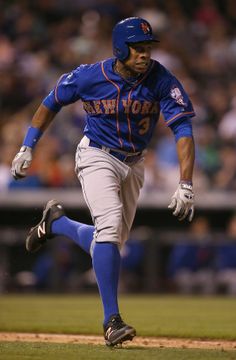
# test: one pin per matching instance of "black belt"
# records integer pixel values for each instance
(125, 158)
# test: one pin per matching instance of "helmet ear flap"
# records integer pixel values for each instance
(121, 52)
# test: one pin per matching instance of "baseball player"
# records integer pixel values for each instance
(123, 97)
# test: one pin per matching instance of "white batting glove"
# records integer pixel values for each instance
(182, 202)
(21, 162)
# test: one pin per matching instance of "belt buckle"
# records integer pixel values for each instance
(130, 159)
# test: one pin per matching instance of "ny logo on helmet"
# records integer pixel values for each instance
(145, 27)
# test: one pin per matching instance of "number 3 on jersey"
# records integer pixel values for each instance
(144, 125)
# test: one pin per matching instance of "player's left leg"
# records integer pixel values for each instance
(129, 194)
(105, 205)
(115, 330)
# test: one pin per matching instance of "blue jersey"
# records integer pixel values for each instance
(122, 114)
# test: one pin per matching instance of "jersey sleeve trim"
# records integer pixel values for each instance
(56, 89)
(178, 116)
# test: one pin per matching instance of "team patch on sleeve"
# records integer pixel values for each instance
(176, 94)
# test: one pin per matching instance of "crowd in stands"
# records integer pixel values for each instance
(42, 39)
(203, 261)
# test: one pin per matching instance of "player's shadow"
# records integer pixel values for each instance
(121, 348)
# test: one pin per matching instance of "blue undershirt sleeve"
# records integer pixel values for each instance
(51, 103)
(182, 128)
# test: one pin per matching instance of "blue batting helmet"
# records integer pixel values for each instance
(128, 31)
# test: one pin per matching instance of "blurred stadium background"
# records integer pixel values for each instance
(40, 40)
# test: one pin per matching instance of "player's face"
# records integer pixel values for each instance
(139, 57)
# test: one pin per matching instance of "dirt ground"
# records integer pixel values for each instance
(137, 342)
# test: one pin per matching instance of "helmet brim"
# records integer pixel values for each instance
(141, 38)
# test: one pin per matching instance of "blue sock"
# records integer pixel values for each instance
(80, 233)
(106, 264)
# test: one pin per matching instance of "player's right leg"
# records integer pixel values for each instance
(54, 222)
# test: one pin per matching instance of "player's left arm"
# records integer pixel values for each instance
(177, 110)
(182, 202)
(186, 155)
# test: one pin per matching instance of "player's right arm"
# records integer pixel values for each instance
(65, 92)
(42, 118)
(22, 161)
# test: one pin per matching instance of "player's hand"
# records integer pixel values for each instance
(182, 202)
(21, 162)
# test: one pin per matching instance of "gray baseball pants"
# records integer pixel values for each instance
(111, 190)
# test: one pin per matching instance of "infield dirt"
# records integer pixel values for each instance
(138, 341)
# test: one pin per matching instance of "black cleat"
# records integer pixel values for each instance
(39, 234)
(116, 331)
